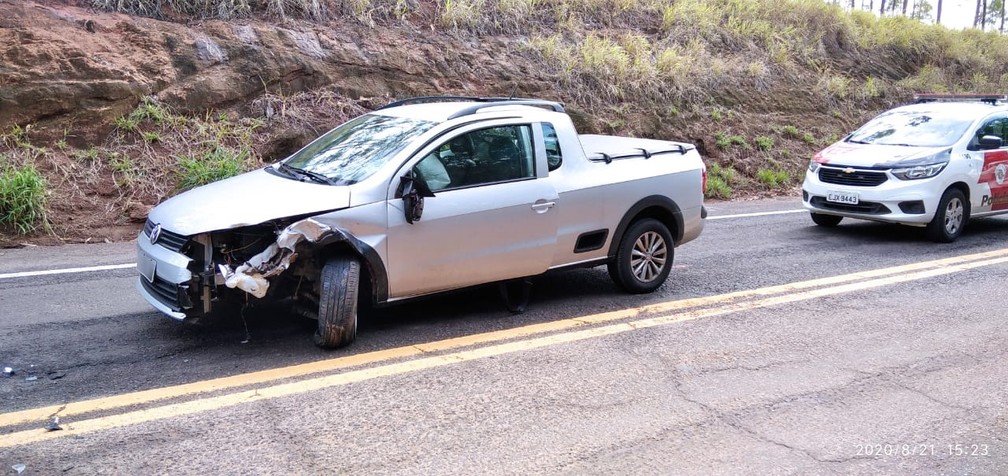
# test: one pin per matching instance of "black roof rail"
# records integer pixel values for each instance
(484, 103)
(991, 99)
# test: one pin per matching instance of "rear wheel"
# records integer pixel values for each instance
(823, 219)
(644, 257)
(950, 218)
(337, 319)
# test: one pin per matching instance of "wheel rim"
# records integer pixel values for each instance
(647, 259)
(953, 216)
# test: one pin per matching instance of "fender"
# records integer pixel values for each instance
(375, 266)
(660, 207)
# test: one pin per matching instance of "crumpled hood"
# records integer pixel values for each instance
(247, 199)
(874, 155)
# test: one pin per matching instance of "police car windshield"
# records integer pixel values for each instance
(911, 128)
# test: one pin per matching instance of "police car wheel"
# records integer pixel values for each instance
(950, 218)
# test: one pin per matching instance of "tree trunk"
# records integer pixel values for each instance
(1001, 28)
(983, 16)
(938, 17)
(976, 15)
(881, 10)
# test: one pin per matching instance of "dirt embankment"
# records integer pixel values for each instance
(69, 75)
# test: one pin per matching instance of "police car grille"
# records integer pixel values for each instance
(857, 178)
(167, 239)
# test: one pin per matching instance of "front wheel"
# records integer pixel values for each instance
(950, 218)
(823, 219)
(644, 257)
(337, 319)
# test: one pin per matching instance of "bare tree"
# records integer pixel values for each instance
(1001, 28)
(904, 7)
(938, 18)
(980, 17)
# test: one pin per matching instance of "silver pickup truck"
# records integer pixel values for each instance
(419, 197)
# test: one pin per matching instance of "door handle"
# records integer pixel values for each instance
(542, 206)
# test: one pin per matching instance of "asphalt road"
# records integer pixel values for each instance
(776, 347)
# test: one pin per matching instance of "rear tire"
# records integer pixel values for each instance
(644, 257)
(337, 319)
(950, 218)
(823, 219)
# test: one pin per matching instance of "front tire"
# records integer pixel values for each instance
(644, 257)
(950, 218)
(825, 220)
(337, 319)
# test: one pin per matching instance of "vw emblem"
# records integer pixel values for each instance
(1000, 172)
(155, 234)
(848, 170)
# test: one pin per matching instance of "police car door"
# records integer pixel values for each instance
(990, 193)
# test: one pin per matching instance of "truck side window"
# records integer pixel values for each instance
(496, 154)
(554, 158)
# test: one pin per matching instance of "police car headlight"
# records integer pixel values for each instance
(813, 166)
(923, 167)
(919, 171)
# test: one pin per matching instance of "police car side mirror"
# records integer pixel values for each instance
(991, 142)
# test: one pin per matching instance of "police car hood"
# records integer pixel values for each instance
(852, 154)
(248, 199)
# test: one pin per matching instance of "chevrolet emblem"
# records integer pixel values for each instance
(848, 170)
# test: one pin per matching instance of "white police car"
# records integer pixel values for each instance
(932, 164)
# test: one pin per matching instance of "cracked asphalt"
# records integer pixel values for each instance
(901, 378)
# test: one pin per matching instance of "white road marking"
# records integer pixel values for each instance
(28, 274)
(45, 272)
(759, 214)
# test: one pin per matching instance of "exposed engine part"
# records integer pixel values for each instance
(253, 275)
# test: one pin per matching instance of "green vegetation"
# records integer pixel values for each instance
(88, 156)
(809, 139)
(215, 146)
(724, 140)
(213, 165)
(764, 143)
(719, 181)
(22, 197)
(773, 177)
(871, 88)
(790, 132)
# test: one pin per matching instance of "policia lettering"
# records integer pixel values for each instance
(997, 199)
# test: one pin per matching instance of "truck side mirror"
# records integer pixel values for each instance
(413, 189)
(991, 142)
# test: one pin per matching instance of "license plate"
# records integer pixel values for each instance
(146, 266)
(842, 197)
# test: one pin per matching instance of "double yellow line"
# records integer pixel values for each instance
(179, 400)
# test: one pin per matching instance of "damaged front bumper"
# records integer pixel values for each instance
(182, 283)
(164, 277)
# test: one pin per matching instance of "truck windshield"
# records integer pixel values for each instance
(355, 150)
(916, 128)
